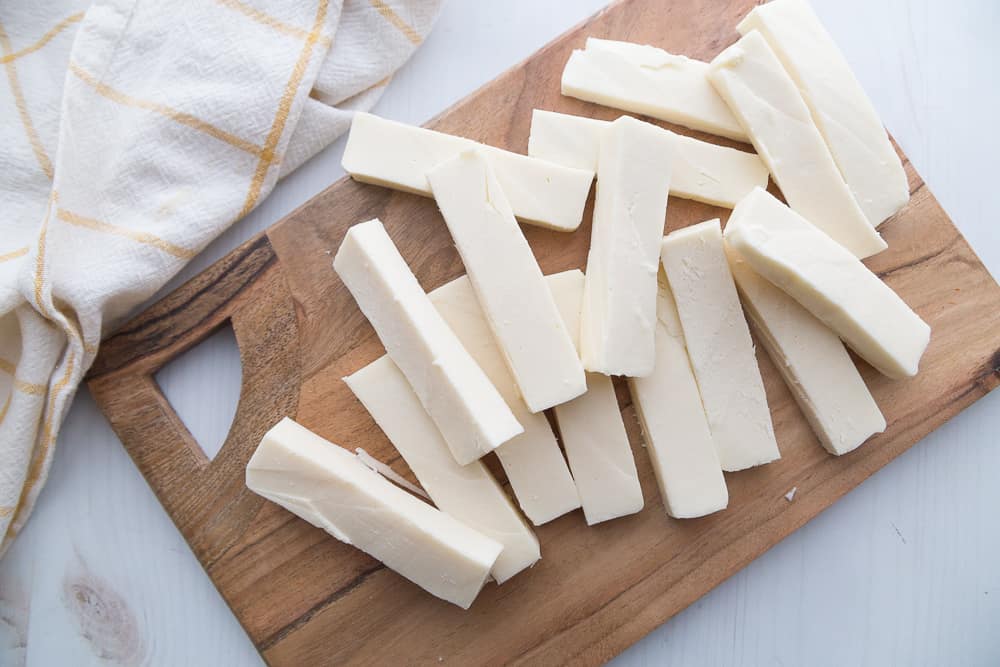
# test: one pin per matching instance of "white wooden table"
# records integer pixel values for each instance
(901, 571)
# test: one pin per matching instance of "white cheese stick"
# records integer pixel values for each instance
(469, 493)
(704, 172)
(813, 362)
(508, 283)
(599, 452)
(757, 88)
(535, 466)
(464, 405)
(719, 346)
(647, 80)
(398, 156)
(592, 429)
(619, 302)
(674, 423)
(840, 108)
(830, 283)
(332, 489)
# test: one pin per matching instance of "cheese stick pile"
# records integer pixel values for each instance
(471, 367)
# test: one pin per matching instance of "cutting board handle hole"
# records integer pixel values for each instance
(207, 409)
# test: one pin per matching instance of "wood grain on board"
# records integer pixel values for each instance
(305, 598)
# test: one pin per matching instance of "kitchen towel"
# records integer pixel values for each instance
(132, 133)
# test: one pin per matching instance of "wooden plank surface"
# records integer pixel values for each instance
(304, 597)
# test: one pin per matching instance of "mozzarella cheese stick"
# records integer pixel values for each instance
(332, 489)
(508, 283)
(757, 88)
(719, 346)
(813, 362)
(619, 296)
(398, 156)
(840, 108)
(535, 466)
(647, 80)
(464, 405)
(599, 453)
(830, 283)
(468, 493)
(704, 172)
(592, 430)
(674, 423)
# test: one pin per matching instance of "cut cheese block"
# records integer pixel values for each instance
(332, 489)
(674, 423)
(813, 362)
(702, 171)
(755, 85)
(719, 346)
(535, 466)
(840, 108)
(469, 493)
(619, 302)
(464, 405)
(830, 283)
(508, 283)
(398, 156)
(599, 452)
(647, 80)
(592, 429)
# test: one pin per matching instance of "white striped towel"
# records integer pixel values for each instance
(132, 133)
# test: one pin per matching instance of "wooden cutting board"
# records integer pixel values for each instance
(305, 598)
